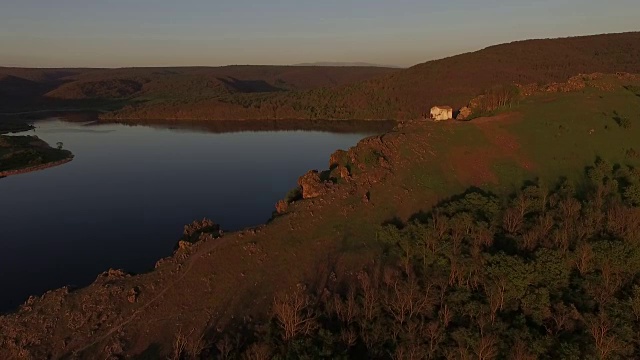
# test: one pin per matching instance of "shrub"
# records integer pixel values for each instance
(294, 194)
(201, 230)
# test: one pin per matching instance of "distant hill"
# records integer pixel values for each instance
(409, 93)
(320, 92)
(58, 87)
(347, 64)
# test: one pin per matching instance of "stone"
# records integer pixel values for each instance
(464, 113)
(337, 158)
(383, 162)
(113, 274)
(184, 245)
(132, 295)
(344, 172)
(311, 185)
(282, 206)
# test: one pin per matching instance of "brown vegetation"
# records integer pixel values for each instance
(101, 89)
(479, 276)
(277, 92)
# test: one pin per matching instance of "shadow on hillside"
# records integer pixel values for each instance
(249, 86)
(154, 351)
(26, 92)
(477, 201)
(633, 89)
(17, 93)
(44, 107)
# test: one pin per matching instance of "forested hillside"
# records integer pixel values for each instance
(409, 93)
(312, 92)
(552, 271)
(105, 89)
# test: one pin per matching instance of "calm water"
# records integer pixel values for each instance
(124, 199)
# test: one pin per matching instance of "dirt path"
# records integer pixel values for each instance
(215, 243)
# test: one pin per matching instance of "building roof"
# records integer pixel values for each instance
(443, 107)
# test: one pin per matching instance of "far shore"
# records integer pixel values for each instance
(227, 126)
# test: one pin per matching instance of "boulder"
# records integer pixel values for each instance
(464, 113)
(132, 295)
(311, 185)
(338, 158)
(113, 274)
(184, 245)
(282, 206)
(345, 174)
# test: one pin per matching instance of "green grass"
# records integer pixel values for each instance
(510, 174)
(576, 128)
(557, 133)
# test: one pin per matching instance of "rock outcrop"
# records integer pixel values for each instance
(345, 174)
(282, 206)
(464, 113)
(311, 184)
(339, 157)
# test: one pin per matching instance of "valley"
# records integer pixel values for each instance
(343, 226)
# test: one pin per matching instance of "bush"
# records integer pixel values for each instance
(200, 230)
(294, 194)
(539, 274)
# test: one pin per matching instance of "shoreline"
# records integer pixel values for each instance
(228, 126)
(35, 168)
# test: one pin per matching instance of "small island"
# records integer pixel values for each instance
(23, 154)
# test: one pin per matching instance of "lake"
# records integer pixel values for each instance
(125, 198)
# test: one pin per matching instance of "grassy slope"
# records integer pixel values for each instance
(408, 94)
(404, 172)
(280, 92)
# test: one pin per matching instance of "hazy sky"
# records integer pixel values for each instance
(113, 33)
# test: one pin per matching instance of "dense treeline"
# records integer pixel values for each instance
(549, 272)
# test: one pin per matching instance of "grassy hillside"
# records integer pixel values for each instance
(456, 79)
(312, 92)
(321, 244)
(409, 93)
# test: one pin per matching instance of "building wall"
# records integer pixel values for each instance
(438, 114)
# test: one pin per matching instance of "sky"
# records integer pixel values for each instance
(123, 33)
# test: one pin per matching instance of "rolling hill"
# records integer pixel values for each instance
(532, 246)
(98, 88)
(408, 93)
(315, 92)
(371, 223)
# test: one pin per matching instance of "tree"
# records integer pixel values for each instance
(294, 314)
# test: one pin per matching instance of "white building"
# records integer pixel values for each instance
(440, 113)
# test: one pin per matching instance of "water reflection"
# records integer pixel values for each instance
(124, 199)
